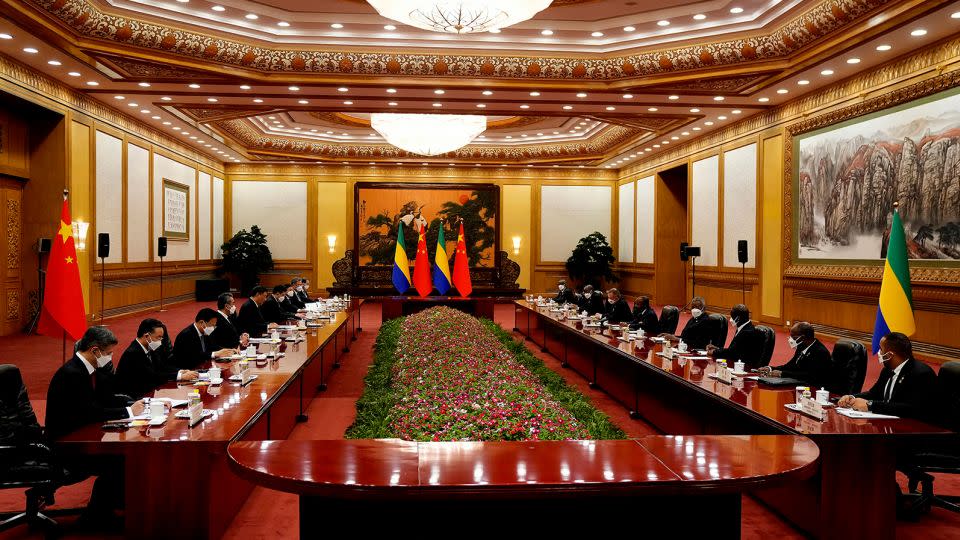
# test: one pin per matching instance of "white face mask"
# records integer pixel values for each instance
(792, 343)
(104, 359)
(208, 329)
(232, 310)
(732, 321)
(300, 288)
(884, 357)
(696, 312)
(290, 294)
(153, 345)
(561, 287)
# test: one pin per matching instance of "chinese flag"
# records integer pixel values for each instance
(421, 266)
(461, 267)
(62, 309)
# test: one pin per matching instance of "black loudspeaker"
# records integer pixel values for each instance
(693, 251)
(742, 251)
(43, 245)
(162, 246)
(103, 245)
(683, 251)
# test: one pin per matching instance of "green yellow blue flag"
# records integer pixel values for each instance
(895, 312)
(441, 266)
(401, 265)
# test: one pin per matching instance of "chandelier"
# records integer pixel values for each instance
(459, 16)
(428, 134)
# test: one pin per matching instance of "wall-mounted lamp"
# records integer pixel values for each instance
(516, 245)
(332, 242)
(80, 229)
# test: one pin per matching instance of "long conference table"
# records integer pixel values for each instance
(178, 483)
(852, 496)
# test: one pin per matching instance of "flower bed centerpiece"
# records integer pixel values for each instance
(442, 375)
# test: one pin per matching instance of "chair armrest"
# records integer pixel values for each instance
(126, 399)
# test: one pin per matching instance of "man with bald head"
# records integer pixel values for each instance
(811, 361)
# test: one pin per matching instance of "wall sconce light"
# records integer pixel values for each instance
(516, 245)
(332, 242)
(80, 229)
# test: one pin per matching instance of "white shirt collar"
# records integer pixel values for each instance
(898, 369)
(88, 365)
(808, 347)
(197, 328)
(741, 326)
(142, 346)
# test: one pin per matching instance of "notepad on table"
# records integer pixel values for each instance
(865, 415)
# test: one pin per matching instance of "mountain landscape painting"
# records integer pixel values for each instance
(849, 177)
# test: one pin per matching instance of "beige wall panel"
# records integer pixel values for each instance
(515, 220)
(625, 236)
(740, 204)
(217, 217)
(163, 167)
(704, 209)
(203, 216)
(138, 202)
(645, 218)
(568, 213)
(109, 196)
(279, 209)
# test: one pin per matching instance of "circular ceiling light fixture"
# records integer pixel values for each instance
(459, 16)
(428, 134)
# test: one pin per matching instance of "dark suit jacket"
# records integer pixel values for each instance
(698, 332)
(812, 365)
(914, 395)
(73, 402)
(566, 296)
(646, 319)
(226, 335)
(617, 312)
(304, 297)
(251, 320)
(291, 304)
(274, 312)
(592, 304)
(191, 349)
(746, 345)
(139, 372)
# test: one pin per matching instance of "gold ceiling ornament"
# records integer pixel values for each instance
(428, 134)
(459, 16)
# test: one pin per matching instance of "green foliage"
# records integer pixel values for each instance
(592, 260)
(373, 407)
(247, 255)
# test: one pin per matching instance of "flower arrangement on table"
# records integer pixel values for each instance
(442, 375)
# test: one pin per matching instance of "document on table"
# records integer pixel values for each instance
(850, 413)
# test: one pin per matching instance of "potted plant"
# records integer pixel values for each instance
(592, 260)
(246, 256)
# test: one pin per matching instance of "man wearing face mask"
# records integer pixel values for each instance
(615, 309)
(193, 345)
(811, 360)
(82, 392)
(303, 291)
(565, 294)
(697, 333)
(590, 301)
(251, 319)
(140, 369)
(296, 285)
(644, 316)
(289, 301)
(274, 309)
(226, 335)
(906, 387)
(747, 342)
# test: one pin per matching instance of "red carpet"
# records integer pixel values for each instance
(270, 514)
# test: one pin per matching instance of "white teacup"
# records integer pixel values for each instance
(213, 373)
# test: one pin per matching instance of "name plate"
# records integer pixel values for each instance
(724, 374)
(813, 408)
(196, 413)
(245, 377)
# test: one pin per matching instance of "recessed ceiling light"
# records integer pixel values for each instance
(534, 94)
(611, 108)
(54, 62)
(674, 138)
(699, 17)
(93, 83)
(303, 102)
(853, 60)
(144, 111)
(509, 137)
(487, 92)
(546, 32)
(218, 8)
(389, 27)
(73, 74)
(736, 10)
(341, 89)
(685, 133)
(697, 129)
(194, 85)
(391, 90)
(763, 99)
(392, 104)
(481, 106)
(708, 123)
(438, 104)
(663, 23)
(144, 84)
(244, 86)
(438, 91)
(782, 91)
(494, 30)
(721, 118)
(653, 109)
(132, 104)
(883, 48)
(257, 100)
(803, 82)
(6, 36)
(176, 128)
(348, 103)
(336, 26)
(918, 32)
(30, 50)
(212, 99)
(581, 95)
(656, 146)
(155, 117)
(673, 97)
(694, 110)
(628, 96)
(119, 97)
(827, 72)
(524, 106)
(736, 111)
(597, 34)
(524, 135)
(719, 98)
(567, 107)
(166, 123)
(283, 24)
(251, 17)
(628, 29)
(952, 16)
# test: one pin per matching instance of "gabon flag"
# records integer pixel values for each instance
(421, 266)
(895, 312)
(62, 310)
(401, 265)
(461, 266)
(441, 266)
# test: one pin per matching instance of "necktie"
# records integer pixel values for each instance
(93, 380)
(888, 390)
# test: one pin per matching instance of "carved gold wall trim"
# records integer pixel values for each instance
(919, 347)
(924, 296)
(13, 304)
(725, 278)
(13, 234)
(116, 277)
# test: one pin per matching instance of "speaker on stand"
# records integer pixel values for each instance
(103, 251)
(43, 247)
(692, 253)
(161, 252)
(742, 257)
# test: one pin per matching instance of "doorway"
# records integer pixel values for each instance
(670, 229)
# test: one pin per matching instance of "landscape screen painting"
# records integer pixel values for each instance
(849, 178)
(382, 210)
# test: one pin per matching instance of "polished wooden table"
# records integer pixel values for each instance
(689, 484)
(178, 484)
(852, 496)
(401, 306)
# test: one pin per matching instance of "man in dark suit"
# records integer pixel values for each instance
(293, 297)
(251, 319)
(644, 316)
(226, 335)
(747, 342)
(906, 387)
(140, 370)
(565, 294)
(82, 392)
(193, 345)
(289, 301)
(615, 309)
(590, 301)
(272, 308)
(305, 292)
(698, 332)
(811, 362)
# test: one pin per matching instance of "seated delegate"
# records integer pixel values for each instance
(811, 362)
(698, 332)
(193, 345)
(615, 309)
(251, 319)
(747, 342)
(565, 294)
(644, 317)
(140, 369)
(590, 301)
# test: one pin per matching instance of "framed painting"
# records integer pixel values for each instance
(176, 210)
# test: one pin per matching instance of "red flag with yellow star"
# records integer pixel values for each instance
(461, 268)
(421, 266)
(62, 309)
